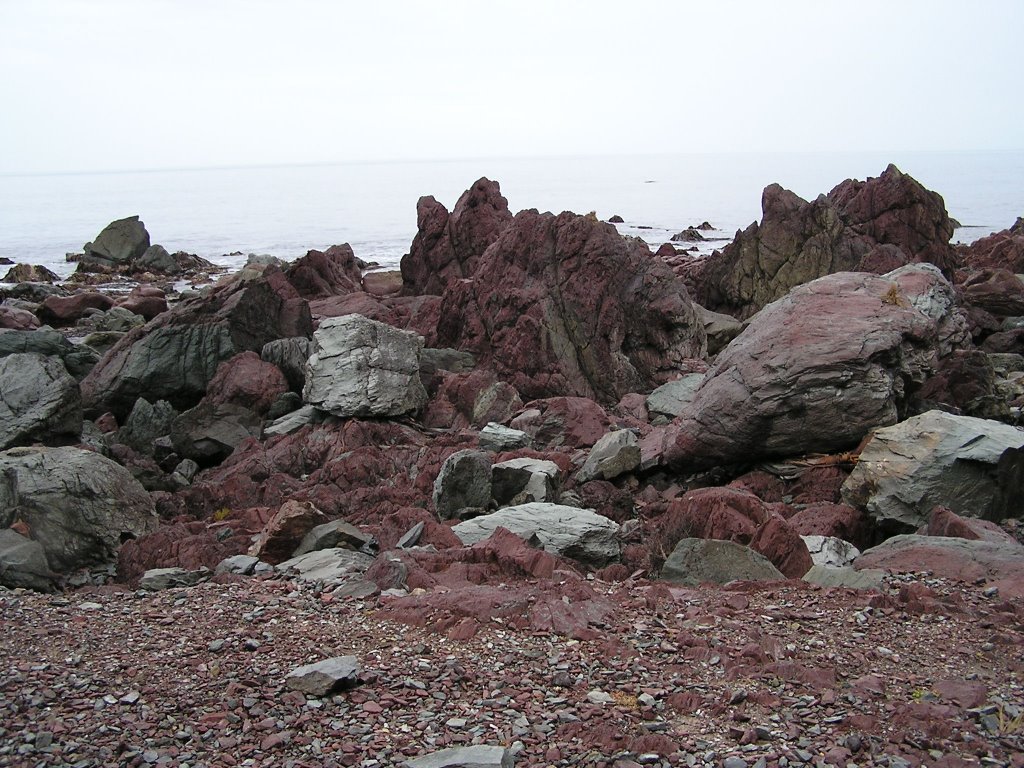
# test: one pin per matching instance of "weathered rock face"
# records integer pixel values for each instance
(120, 243)
(175, 356)
(1002, 250)
(39, 401)
(247, 381)
(17, 319)
(577, 534)
(66, 310)
(571, 422)
(938, 459)
(532, 479)
(464, 482)
(563, 305)
(284, 532)
(364, 368)
(146, 423)
(208, 433)
(77, 358)
(290, 356)
(319, 274)
(614, 454)
(997, 291)
(815, 371)
(447, 247)
(29, 273)
(696, 561)
(23, 563)
(78, 505)
(872, 226)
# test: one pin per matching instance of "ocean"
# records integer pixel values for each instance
(223, 214)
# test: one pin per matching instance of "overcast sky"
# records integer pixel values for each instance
(138, 84)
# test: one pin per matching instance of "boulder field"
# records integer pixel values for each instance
(536, 408)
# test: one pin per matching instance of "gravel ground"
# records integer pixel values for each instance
(926, 673)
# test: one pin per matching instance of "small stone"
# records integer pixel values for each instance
(599, 697)
(324, 677)
(734, 762)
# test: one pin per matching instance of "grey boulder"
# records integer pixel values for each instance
(120, 243)
(333, 566)
(290, 355)
(39, 401)
(830, 551)
(146, 422)
(577, 534)
(938, 459)
(696, 561)
(337, 533)
(672, 398)
(79, 505)
(77, 358)
(498, 438)
(156, 579)
(361, 367)
(325, 677)
(530, 479)
(476, 756)
(464, 482)
(208, 433)
(23, 563)
(616, 453)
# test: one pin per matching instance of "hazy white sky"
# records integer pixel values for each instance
(131, 84)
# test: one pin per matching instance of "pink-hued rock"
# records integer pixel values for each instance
(840, 521)
(17, 319)
(1002, 250)
(448, 247)
(66, 310)
(189, 545)
(564, 305)
(731, 514)
(815, 371)
(966, 380)
(871, 226)
(997, 291)
(463, 399)
(945, 522)
(285, 531)
(248, 381)
(571, 422)
(408, 313)
(319, 274)
(146, 300)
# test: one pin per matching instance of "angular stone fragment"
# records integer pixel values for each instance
(336, 533)
(497, 438)
(361, 367)
(537, 478)
(23, 563)
(614, 454)
(325, 677)
(464, 482)
(156, 579)
(477, 756)
(39, 401)
(830, 551)
(671, 398)
(333, 566)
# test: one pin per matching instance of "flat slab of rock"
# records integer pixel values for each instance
(333, 566)
(671, 399)
(830, 551)
(361, 367)
(336, 533)
(697, 561)
(477, 756)
(578, 534)
(935, 459)
(849, 578)
(324, 677)
(497, 438)
(156, 579)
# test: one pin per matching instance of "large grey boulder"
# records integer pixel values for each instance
(578, 534)
(938, 459)
(361, 367)
(23, 563)
(696, 561)
(157, 579)
(77, 358)
(816, 370)
(538, 479)
(208, 433)
(616, 453)
(464, 482)
(120, 243)
(79, 505)
(336, 533)
(291, 356)
(39, 401)
(498, 438)
(324, 677)
(476, 756)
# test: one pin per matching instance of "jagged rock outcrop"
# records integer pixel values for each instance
(564, 305)
(320, 274)
(815, 371)
(447, 247)
(1001, 250)
(120, 243)
(39, 401)
(175, 356)
(865, 226)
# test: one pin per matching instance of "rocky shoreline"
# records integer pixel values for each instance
(624, 508)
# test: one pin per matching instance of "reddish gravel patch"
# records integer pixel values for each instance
(926, 674)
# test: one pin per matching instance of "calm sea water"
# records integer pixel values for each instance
(286, 210)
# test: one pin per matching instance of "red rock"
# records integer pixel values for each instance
(549, 311)
(777, 541)
(945, 522)
(827, 519)
(325, 273)
(146, 300)
(383, 284)
(17, 319)
(448, 247)
(571, 422)
(998, 291)
(408, 313)
(285, 531)
(606, 499)
(967, 694)
(965, 380)
(1002, 250)
(66, 310)
(188, 545)
(248, 381)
